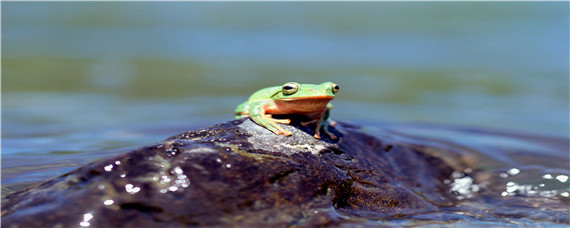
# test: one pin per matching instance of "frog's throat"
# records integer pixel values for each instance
(310, 105)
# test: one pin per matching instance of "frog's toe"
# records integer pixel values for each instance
(331, 136)
(332, 123)
(317, 135)
(279, 130)
(282, 121)
(286, 133)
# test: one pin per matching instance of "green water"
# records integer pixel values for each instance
(79, 78)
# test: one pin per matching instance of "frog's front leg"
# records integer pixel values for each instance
(257, 114)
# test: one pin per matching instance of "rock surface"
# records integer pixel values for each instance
(240, 174)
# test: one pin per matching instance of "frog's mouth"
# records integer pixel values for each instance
(303, 105)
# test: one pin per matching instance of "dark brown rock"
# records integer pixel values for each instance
(240, 174)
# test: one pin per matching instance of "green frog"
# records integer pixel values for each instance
(309, 100)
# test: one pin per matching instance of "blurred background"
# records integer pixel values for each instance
(81, 77)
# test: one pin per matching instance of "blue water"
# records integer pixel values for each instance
(85, 80)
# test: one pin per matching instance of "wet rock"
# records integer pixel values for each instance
(240, 174)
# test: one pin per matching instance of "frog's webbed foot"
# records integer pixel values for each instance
(280, 130)
(277, 129)
(283, 131)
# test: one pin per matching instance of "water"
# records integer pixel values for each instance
(82, 81)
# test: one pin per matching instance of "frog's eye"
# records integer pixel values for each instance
(290, 88)
(335, 88)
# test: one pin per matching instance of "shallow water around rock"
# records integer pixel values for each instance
(511, 179)
(483, 182)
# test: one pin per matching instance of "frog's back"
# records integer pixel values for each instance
(263, 94)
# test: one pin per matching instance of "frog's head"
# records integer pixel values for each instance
(306, 97)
